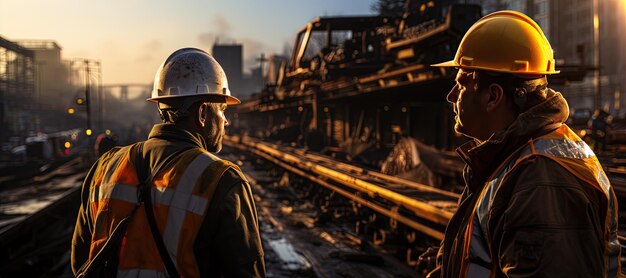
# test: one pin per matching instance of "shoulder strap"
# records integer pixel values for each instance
(143, 195)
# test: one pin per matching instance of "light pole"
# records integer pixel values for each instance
(39, 72)
(89, 67)
(262, 61)
(87, 93)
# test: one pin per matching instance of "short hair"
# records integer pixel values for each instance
(176, 109)
(534, 87)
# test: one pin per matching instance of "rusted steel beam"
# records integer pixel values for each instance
(388, 178)
(419, 208)
(393, 214)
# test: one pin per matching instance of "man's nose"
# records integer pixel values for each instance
(453, 95)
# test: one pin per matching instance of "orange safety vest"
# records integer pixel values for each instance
(564, 147)
(180, 198)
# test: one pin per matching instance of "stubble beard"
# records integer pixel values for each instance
(216, 143)
(216, 148)
(458, 128)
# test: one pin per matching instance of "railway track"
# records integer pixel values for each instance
(297, 242)
(423, 208)
(397, 216)
(37, 220)
(418, 207)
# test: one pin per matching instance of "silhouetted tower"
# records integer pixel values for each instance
(124, 93)
(230, 58)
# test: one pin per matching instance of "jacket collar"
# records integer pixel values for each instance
(173, 132)
(483, 158)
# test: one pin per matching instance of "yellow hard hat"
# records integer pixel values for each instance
(505, 41)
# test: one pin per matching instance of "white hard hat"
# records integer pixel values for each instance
(191, 72)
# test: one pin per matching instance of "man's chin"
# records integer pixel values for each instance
(218, 148)
(458, 128)
(215, 148)
(463, 132)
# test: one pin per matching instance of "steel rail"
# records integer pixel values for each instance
(393, 214)
(388, 178)
(419, 208)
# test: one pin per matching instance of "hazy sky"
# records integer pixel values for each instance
(133, 37)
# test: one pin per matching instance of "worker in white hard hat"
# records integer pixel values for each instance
(537, 202)
(168, 206)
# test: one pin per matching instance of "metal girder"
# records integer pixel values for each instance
(334, 179)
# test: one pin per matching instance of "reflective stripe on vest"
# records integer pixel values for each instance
(182, 199)
(565, 148)
(180, 196)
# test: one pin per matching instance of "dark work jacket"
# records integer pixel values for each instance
(543, 222)
(228, 243)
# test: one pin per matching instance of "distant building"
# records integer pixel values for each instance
(569, 26)
(275, 64)
(230, 57)
(613, 55)
(53, 91)
(17, 88)
(52, 73)
(253, 82)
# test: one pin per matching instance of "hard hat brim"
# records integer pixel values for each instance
(230, 100)
(448, 64)
(453, 64)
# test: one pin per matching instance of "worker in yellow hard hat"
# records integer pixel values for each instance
(537, 202)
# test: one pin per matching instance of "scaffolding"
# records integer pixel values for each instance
(38, 44)
(17, 87)
(87, 73)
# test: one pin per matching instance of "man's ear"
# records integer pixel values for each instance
(202, 114)
(495, 97)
